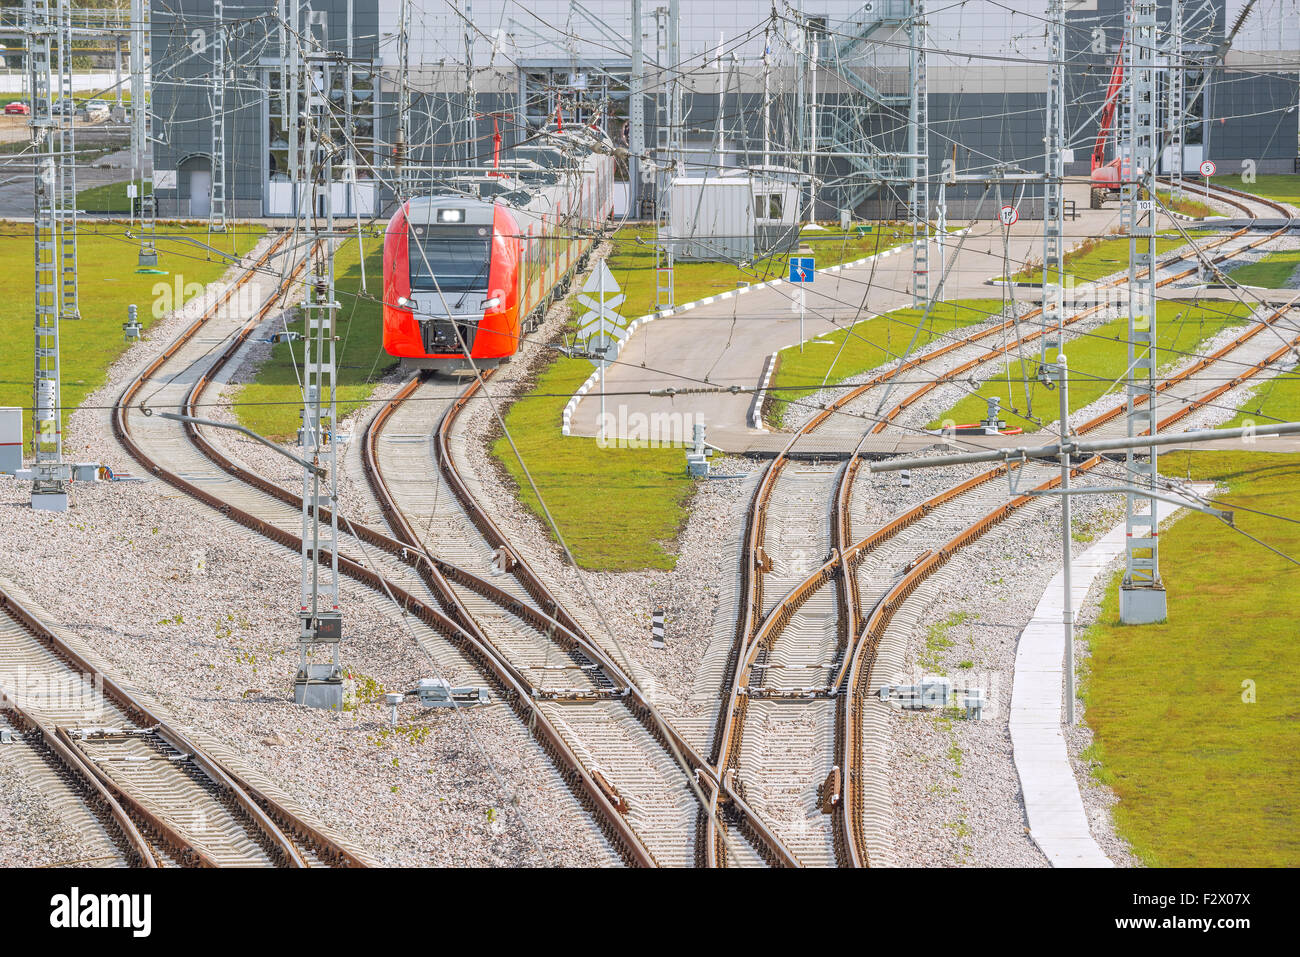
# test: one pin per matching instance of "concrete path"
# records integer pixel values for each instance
(1058, 823)
(726, 343)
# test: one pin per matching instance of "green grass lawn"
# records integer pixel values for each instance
(1094, 258)
(1284, 187)
(109, 198)
(1095, 361)
(1271, 272)
(866, 345)
(270, 404)
(1205, 777)
(108, 283)
(620, 509)
(1277, 400)
(1187, 206)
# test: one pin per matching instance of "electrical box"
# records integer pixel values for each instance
(438, 693)
(85, 472)
(11, 439)
(936, 691)
(326, 627)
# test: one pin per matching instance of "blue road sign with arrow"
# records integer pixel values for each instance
(802, 269)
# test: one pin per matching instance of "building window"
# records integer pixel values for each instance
(354, 126)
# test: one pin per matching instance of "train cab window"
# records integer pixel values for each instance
(457, 257)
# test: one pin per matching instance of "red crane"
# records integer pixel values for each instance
(1106, 176)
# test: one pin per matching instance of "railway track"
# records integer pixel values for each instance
(568, 683)
(146, 789)
(820, 652)
(462, 619)
(513, 629)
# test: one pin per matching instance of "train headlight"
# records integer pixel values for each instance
(451, 215)
(492, 303)
(404, 303)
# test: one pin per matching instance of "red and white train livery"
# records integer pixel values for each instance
(475, 267)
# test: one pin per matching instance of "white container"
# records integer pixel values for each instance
(11, 439)
(712, 218)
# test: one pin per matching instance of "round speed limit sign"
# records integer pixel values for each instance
(1008, 215)
(1208, 168)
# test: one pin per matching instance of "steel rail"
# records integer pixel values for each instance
(137, 712)
(721, 794)
(597, 794)
(749, 639)
(95, 793)
(455, 626)
(271, 816)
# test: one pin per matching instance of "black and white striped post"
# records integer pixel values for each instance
(657, 629)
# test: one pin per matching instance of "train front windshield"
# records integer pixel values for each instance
(457, 257)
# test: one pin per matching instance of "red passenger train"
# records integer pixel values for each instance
(474, 268)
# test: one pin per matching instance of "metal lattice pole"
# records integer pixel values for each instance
(49, 488)
(919, 146)
(1053, 190)
(1124, 132)
(217, 210)
(321, 620)
(668, 122)
(636, 109)
(402, 144)
(471, 100)
(1174, 109)
(141, 133)
(1142, 594)
(66, 207)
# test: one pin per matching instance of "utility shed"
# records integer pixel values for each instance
(712, 218)
(737, 216)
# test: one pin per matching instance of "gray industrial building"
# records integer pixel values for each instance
(836, 73)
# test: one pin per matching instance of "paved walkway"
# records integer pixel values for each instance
(726, 343)
(1058, 823)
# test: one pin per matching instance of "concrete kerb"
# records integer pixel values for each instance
(566, 417)
(756, 407)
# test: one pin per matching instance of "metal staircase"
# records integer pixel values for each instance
(852, 122)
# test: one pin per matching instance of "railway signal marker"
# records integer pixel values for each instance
(1008, 215)
(1208, 168)
(601, 326)
(657, 629)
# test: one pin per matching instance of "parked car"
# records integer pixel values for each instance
(17, 109)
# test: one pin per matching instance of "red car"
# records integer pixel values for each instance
(17, 109)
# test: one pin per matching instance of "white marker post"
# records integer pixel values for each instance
(1208, 169)
(606, 321)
